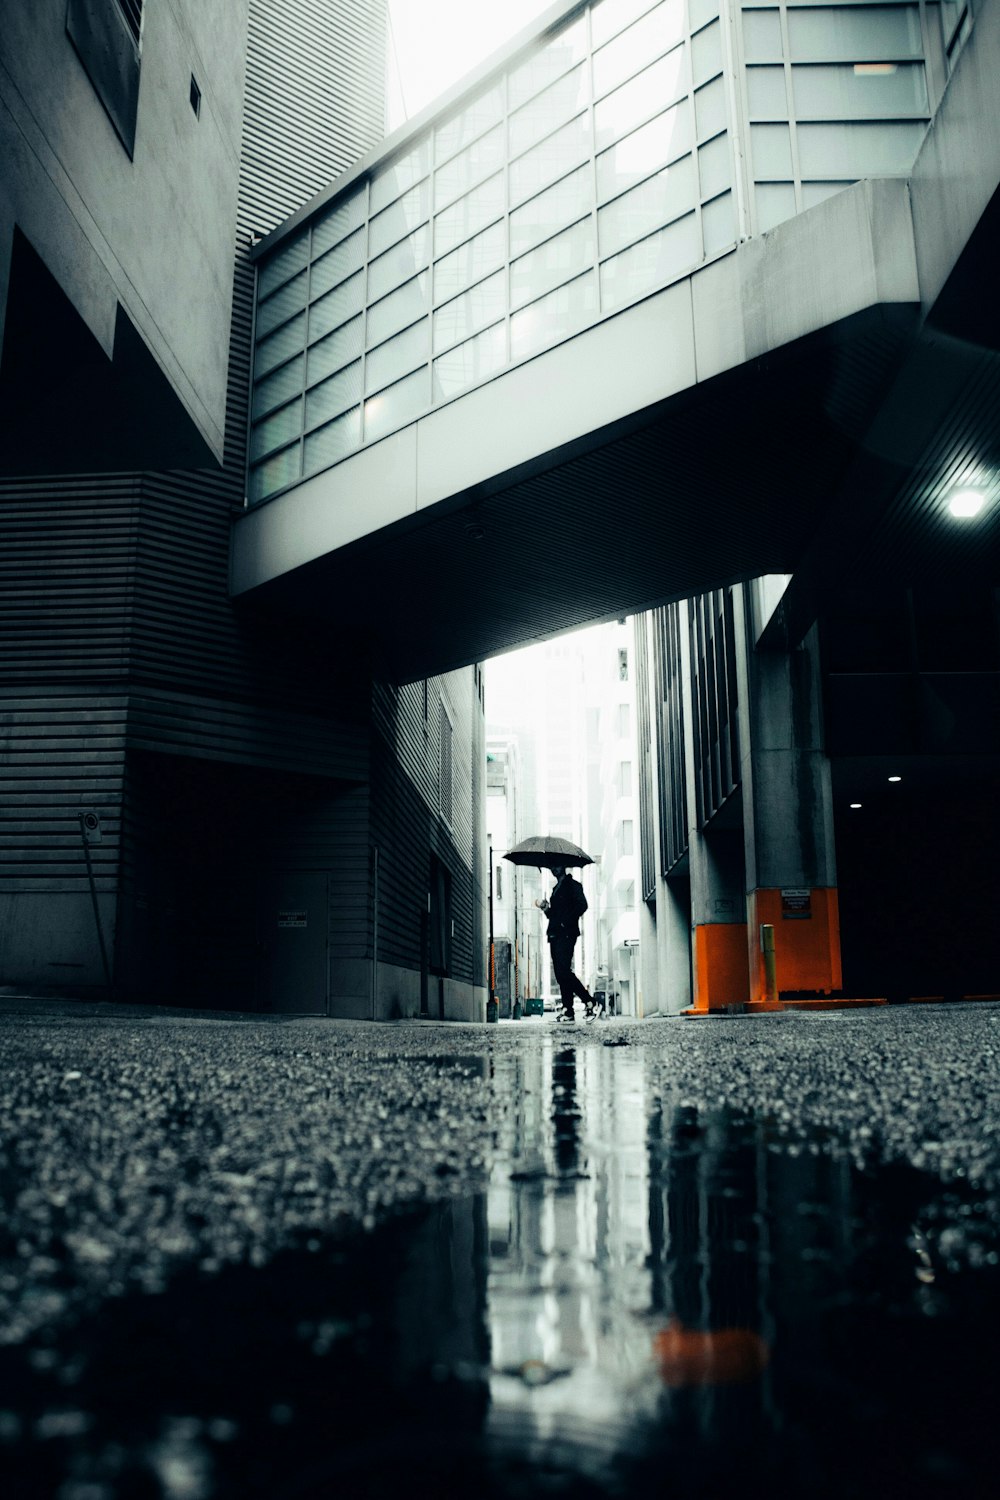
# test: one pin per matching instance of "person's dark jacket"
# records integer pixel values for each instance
(567, 905)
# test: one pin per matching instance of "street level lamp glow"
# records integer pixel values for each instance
(966, 503)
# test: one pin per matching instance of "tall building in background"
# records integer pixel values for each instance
(204, 803)
(613, 924)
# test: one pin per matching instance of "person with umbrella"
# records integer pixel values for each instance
(564, 908)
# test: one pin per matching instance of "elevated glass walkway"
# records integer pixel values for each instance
(629, 142)
(623, 309)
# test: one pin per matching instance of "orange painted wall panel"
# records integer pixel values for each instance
(721, 977)
(807, 949)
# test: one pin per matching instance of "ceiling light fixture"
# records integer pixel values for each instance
(855, 804)
(895, 778)
(966, 503)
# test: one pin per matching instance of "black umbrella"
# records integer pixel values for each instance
(548, 850)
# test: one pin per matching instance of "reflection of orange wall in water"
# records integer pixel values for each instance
(690, 1356)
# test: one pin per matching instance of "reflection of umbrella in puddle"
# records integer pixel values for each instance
(693, 1356)
(535, 1372)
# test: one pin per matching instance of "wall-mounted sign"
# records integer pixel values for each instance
(630, 943)
(293, 919)
(796, 906)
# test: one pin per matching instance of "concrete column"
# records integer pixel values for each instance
(718, 928)
(791, 879)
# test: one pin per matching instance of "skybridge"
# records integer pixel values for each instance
(660, 298)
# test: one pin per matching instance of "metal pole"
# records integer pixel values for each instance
(93, 898)
(492, 1010)
(516, 1012)
(374, 930)
(770, 969)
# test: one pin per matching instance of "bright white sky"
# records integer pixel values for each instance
(437, 41)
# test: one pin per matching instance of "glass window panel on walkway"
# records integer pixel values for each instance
(551, 159)
(471, 361)
(283, 264)
(556, 261)
(280, 346)
(282, 305)
(470, 262)
(553, 317)
(334, 441)
(664, 197)
(658, 31)
(277, 388)
(399, 219)
(854, 33)
(473, 120)
(715, 166)
(554, 209)
(337, 306)
(542, 114)
(477, 161)
(650, 264)
(335, 395)
(556, 57)
(338, 222)
(473, 310)
(471, 213)
(391, 181)
(335, 350)
(396, 404)
(399, 309)
(337, 264)
(859, 91)
(643, 96)
(399, 263)
(277, 429)
(275, 473)
(640, 153)
(397, 356)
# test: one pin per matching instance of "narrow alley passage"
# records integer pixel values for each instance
(295, 1259)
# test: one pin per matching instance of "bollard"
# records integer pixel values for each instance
(517, 1009)
(770, 971)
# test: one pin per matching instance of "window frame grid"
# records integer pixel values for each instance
(734, 72)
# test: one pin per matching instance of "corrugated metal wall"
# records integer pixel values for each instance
(118, 630)
(133, 685)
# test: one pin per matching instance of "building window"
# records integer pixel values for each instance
(195, 97)
(105, 35)
(445, 764)
(132, 11)
(623, 664)
(625, 778)
(624, 721)
(627, 837)
(499, 882)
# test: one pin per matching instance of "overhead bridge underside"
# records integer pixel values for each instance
(775, 412)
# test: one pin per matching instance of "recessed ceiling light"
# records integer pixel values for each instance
(895, 778)
(966, 503)
(855, 804)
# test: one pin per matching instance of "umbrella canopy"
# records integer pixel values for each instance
(548, 850)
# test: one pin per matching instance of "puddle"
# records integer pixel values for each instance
(644, 1299)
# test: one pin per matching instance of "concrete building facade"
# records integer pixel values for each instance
(201, 803)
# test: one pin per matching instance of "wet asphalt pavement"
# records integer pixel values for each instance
(292, 1259)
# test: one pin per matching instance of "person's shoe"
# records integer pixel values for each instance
(565, 1018)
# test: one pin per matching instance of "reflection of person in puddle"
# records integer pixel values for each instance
(565, 1111)
(564, 908)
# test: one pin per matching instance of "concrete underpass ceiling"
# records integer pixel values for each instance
(730, 480)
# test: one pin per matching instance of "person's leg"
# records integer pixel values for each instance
(562, 963)
(578, 986)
